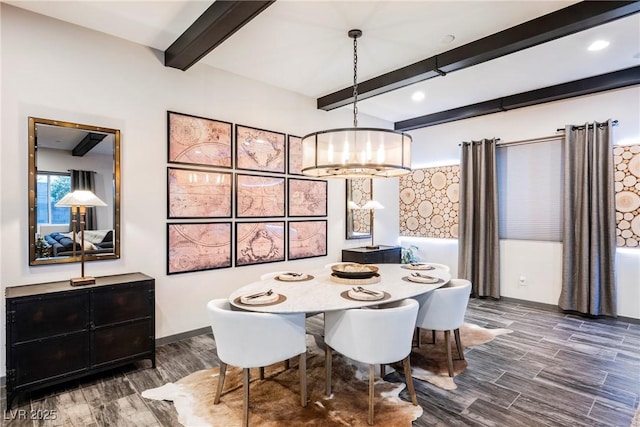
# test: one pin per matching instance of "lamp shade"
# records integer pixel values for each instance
(356, 153)
(372, 204)
(80, 198)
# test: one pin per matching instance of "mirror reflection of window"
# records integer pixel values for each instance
(51, 187)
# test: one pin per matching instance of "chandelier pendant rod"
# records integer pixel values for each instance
(355, 34)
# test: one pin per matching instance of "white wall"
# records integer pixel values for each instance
(54, 70)
(539, 262)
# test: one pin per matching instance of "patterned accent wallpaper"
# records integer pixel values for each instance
(429, 202)
(429, 199)
(626, 160)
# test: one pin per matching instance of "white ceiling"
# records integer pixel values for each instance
(302, 46)
(66, 139)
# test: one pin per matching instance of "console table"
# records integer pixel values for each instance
(381, 255)
(56, 332)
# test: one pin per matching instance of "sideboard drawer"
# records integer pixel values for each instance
(107, 342)
(43, 360)
(122, 303)
(34, 318)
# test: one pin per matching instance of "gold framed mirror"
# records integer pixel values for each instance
(66, 156)
(358, 221)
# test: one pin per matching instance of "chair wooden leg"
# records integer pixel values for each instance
(433, 336)
(223, 372)
(383, 371)
(261, 372)
(327, 369)
(459, 344)
(418, 339)
(245, 403)
(372, 373)
(287, 365)
(302, 367)
(409, 379)
(447, 343)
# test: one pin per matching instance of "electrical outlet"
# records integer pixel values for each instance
(522, 281)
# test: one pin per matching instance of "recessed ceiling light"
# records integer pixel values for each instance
(417, 96)
(598, 45)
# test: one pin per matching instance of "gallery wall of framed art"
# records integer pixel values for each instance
(236, 196)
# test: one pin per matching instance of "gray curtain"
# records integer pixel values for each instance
(588, 268)
(478, 244)
(85, 180)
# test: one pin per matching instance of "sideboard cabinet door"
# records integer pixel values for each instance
(122, 303)
(39, 362)
(47, 316)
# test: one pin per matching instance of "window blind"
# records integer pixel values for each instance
(530, 190)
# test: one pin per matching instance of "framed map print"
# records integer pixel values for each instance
(259, 150)
(198, 140)
(307, 239)
(294, 143)
(259, 196)
(198, 246)
(196, 193)
(259, 242)
(307, 197)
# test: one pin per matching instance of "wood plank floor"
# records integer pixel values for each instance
(553, 370)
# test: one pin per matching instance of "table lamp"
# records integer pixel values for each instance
(79, 201)
(373, 205)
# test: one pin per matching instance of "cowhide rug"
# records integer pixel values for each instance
(429, 361)
(275, 401)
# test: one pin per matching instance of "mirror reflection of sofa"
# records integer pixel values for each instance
(95, 242)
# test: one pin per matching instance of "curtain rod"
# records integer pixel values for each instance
(613, 123)
(530, 141)
(477, 142)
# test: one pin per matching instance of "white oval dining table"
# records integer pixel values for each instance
(323, 294)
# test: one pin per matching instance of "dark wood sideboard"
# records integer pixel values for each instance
(57, 332)
(382, 255)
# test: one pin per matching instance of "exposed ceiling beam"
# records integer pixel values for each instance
(601, 83)
(575, 18)
(88, 142)
(219, 22)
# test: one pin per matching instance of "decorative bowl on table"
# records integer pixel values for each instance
(354, 271)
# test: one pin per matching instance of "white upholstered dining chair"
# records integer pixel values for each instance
(372, 336)
(249, 340)
(443, 309)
